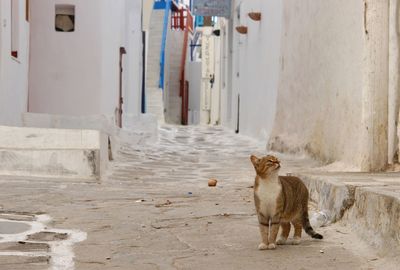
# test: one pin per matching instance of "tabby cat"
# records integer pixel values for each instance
(279, 200)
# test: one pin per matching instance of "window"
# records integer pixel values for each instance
(65, 18)
(14, 28)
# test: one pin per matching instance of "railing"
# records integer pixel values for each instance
(181, 19)
(159, 4)
(184, 85)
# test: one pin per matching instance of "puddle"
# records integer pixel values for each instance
(12, 227)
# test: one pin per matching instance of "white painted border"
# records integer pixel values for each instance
(61, 252)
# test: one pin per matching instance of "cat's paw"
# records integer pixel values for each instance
(262, 246)
(281, 241)
(296, 241)
(271, 246)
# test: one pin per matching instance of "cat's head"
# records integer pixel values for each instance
(265, 166)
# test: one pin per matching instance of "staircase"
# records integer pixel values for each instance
(177, 91)
(154, 95)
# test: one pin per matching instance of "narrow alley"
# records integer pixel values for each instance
(127, 126)
(156, 211)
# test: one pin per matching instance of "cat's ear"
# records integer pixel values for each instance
(254, 160)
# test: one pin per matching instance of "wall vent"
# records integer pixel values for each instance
(65, 18)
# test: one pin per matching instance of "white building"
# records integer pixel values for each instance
(170, 32)
(205, 77)
(14, 57)
(85, 59)
(319, 77)
(77, 71)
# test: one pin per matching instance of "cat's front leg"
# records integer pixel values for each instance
(274, 233)
(264, 230)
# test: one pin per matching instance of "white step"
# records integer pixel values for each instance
(53, 163)
(44, 152)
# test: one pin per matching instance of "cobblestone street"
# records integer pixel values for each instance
(156, 211)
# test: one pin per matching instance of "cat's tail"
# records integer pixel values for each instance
(308, 229)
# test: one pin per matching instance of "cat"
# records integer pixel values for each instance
(279, 200)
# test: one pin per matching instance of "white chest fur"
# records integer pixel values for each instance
(268, 192)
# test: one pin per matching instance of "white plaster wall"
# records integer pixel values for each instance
(255, 68)
(133, 64)
(227, 91)
(173, 101)
(320, 96)
(78, 73)
(312, 77)
(394, 93)
(65, 75)
(208, 56)
(194, 78)
(13, 72)
(146, 18)
(111, 38)
(224, 81)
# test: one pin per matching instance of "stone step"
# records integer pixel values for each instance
(368, 203)
(155, 104)
(54, 153)
(50, 163)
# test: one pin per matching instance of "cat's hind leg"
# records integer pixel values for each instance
(297, 232)
(285, 233)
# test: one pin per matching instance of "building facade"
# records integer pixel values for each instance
(313, 77)
(93, 67)
(71, 58)
(14, 60)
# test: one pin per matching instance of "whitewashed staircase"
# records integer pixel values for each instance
(154, 95)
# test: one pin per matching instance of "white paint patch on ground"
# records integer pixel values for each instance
(62, 257)
(61, 251)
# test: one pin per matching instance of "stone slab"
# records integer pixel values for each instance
(368, 203)
(77, 163)
(48, 138)
(51, 152)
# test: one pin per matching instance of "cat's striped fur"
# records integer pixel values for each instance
(279, 201)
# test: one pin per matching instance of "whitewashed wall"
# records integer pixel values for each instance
(313, 77)
(65, 75)
(147, 10)
(333, 82)
(319, 95)
(254, 70)
(133, 64)
(13, 72)
(194, 78)
(77, 73)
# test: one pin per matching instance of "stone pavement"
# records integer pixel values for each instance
(155, 211)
